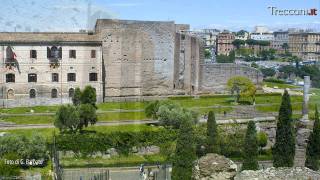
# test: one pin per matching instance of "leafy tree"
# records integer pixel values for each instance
(241, 86)
(284, 148)
(313, 71)
(241, 32)
(262, 139)
(285, 46)
(207, 54)
(67, 117)
(212, 134)
(267, 72)
(87, 115)
(76, 99)
(185, 154)
(170, 114)
(251, 42)
(226, 58)
(9, 170)
(313, 147)
(254, 65)
(88, 96)
(24, 148)
(238, 43)
(250, 148)
(287, 71)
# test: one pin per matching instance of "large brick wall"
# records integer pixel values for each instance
(214, 77)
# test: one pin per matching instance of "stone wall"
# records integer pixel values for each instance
(214, 76)
(139, 56)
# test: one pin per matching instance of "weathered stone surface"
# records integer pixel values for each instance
(214, 77)
(297, 173)
(214, 167)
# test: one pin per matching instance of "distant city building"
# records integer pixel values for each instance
(243, 37)
(261, 33)
(280, 38)
(305, 45)
(224, 43)
(208, 35)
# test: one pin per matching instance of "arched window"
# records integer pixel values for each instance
(10, 78)
(32, 93)
(71, 92)
(54, 93)
(10, 94)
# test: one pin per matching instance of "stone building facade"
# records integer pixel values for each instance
(224, 43)
(305, 45)
(120, 59)
(280, 38)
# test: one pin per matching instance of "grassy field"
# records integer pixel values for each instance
(217, 103)
(280, 85)
(48, 132)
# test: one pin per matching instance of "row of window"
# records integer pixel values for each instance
(33, 93)
(55, 52)
(32, 77)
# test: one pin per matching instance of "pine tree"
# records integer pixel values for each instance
(212, 134)
(284, 148)
(313, 147)
(185, 154)
(250, 151)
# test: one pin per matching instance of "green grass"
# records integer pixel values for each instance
(280, 85)
(121, 105)
(121, 160)
(118, 116)
(29, 119)
(36, 109)
(48, 132)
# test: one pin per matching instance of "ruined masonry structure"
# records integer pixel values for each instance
(120, 59)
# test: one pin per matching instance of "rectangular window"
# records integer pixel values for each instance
(93, 77)
(10, 78)
(72, 54)
(55, 77)
(33, 54)
(93, 53)
(32, 77)
(72, 77)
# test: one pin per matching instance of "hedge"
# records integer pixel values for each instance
(123, 142)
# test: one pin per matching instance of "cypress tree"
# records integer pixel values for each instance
(250, 151)
(313, 147)
(212, 134)
(185, 154)
(284, 148)
(76, 97)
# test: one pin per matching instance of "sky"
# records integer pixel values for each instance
(72, 15)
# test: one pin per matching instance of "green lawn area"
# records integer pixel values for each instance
(280, 85)
(36, 109)
(201, 105)
(112, 162)
(29, 119)
(48, 132)
(118, 116)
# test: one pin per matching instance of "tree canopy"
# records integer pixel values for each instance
(241, 86)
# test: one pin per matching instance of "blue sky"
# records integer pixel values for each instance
(71, 15)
